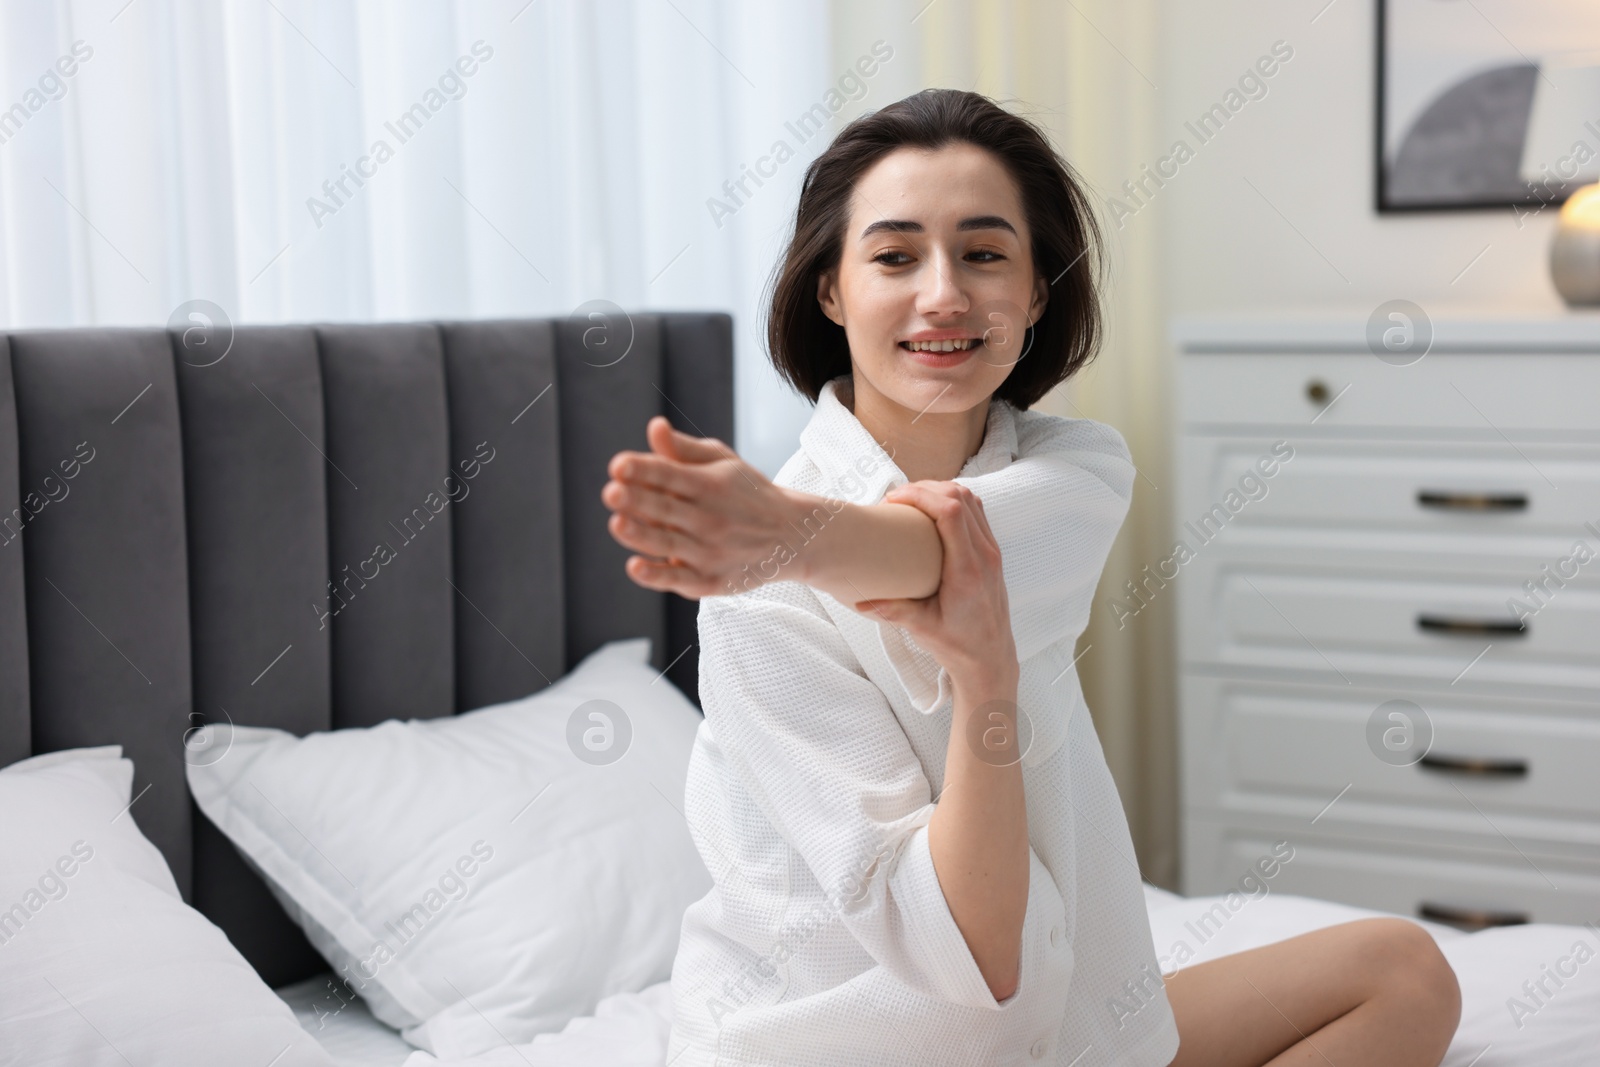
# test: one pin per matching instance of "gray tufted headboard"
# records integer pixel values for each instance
(170, 526)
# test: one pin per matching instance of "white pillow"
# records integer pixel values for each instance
(485, 877)
(101, 961)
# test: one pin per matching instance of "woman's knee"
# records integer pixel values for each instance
(1412, 968)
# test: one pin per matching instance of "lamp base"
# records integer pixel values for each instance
(1575, 265)
(1575, 250)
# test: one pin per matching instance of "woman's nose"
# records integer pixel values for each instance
(941, 293)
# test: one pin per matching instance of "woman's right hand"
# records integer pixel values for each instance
(701, 519)
(966, 624)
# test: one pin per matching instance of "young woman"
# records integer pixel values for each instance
(918, 851)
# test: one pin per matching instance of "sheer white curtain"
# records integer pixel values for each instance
(574, 163)
(313, 160)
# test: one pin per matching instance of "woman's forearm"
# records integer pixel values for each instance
(865, 552)
(978, 837)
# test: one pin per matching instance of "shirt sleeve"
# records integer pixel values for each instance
(822, 754)
(1055, 512)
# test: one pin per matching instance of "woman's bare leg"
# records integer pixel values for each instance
(1371, 993)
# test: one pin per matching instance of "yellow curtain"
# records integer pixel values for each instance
(1088, 72)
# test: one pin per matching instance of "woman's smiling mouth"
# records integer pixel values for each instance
(943, 352)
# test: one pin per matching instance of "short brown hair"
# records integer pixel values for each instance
(808, 348)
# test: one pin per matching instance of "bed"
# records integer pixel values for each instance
(630, 1030)
(230, 486)
(190, 572)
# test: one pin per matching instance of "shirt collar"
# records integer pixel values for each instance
(855, 468)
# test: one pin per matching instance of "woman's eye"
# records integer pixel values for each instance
(900, 259)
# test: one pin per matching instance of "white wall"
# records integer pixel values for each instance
(1307, 146)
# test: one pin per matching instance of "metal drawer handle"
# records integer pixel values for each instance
(1476, 766)
(1445, 624)
(1471, 918)
(1430, 498)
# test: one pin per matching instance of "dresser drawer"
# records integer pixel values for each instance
(1443, 763)
(1434, 538)
(1458, 489)
(1463, 395)
(1418, 880)
(1337, 618)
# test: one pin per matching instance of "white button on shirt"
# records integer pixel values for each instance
(825, 940)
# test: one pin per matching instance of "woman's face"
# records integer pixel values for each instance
(936, 250)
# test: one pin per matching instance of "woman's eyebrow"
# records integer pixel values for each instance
(977, 222)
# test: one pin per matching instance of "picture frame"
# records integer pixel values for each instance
(1484, 104)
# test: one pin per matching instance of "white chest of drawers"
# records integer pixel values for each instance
(1387, 583)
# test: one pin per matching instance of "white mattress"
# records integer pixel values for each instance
(1503, 1024)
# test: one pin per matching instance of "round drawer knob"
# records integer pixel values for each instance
(1317, 391)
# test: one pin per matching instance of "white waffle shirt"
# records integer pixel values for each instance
(825, 940)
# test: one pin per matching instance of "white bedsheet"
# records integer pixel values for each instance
(342, 1024)
(1503, 1024)
(627, 1030)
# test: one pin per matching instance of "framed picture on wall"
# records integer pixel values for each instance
(1486, 103)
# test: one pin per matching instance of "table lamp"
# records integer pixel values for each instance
(1562, 148)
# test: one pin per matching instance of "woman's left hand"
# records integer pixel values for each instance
(966, 624)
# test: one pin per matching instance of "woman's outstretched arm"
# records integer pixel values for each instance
(716, 525)
(706, 524)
